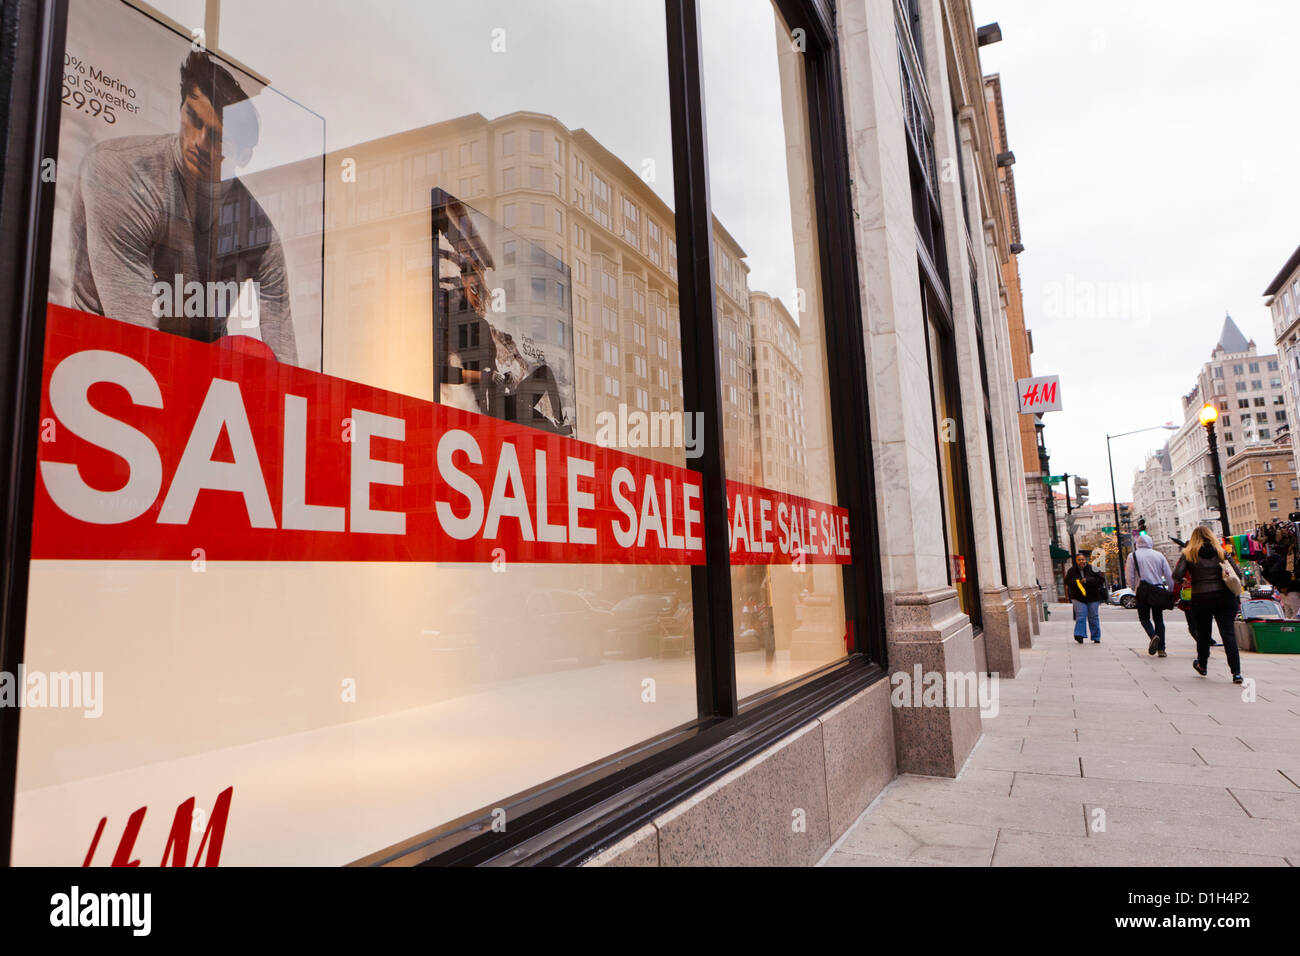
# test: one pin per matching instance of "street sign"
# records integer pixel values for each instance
(1040, 394)
(1108, 529)
(1053, 479)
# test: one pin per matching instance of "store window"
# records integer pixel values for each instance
(432, 630)
(789, 615)
(371, 527)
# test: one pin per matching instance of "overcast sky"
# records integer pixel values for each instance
(1156, 147)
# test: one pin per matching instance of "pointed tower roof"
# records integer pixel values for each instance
(1231, 339)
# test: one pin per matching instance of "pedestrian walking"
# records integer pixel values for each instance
(1148, 566)
(1086, 589)
(1216, 584)
(1185, 597)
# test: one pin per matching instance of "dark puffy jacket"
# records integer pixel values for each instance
(1207, 577)
(1273, 570)
(1093, 584)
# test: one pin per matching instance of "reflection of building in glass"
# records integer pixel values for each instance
(778, 393)
(572, 202)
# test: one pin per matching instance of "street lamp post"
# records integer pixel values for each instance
(1209, 415)
(1114, 500)
(1119, 537)
(1068, 511)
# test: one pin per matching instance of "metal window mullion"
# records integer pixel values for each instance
(715, 659)
(32, 78)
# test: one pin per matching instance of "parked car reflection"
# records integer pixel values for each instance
(545, 629)
(653, 624)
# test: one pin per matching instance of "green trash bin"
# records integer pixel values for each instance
(1277, 637)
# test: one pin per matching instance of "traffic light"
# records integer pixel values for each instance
(1211, 486)
(1125, 516)
(1071, 524)
(1080, 490)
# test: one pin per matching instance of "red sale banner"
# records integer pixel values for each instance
(769, 527)
(154, 446)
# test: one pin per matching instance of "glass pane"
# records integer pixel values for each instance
(787, 533)
(455, 273)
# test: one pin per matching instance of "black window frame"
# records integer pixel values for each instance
(567, 819)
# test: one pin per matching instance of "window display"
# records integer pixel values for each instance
(366, 492)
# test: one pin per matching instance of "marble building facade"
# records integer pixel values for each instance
(926, 623)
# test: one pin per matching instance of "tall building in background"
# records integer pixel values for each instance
(1260, 484)
(1246, 388)
(1090, 519)
(1154, 502)
(1282, 297)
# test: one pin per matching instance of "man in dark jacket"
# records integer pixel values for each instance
(1085, 587)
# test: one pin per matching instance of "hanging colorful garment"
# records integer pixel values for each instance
(1240, 547)
(1257, 549)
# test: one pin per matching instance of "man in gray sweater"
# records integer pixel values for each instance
(152, 216)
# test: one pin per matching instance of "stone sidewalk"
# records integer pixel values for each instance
(1101, 755)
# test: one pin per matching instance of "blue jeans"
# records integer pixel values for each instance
(1086, 617)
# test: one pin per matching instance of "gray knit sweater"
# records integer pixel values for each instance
(133, 225)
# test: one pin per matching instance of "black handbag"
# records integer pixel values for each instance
(1152, 595)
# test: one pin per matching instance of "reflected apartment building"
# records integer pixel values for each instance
(599, 221)
(587, 231)
(778, 392)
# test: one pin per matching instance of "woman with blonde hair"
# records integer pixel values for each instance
(1216, 582)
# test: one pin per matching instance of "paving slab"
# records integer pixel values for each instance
(1191, 826)
(1267, 803)
(973, 779)
(917, 839)
(1166, 750)
(1166, 797)
(1019, 848)
(980, 809)
(1182, 769)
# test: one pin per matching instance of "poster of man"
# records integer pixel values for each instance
(503, 337)
(179, 174)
